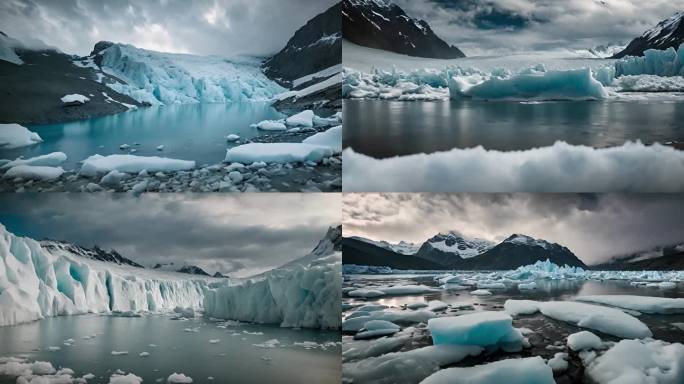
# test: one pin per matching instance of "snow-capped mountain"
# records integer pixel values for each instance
(95, 253)
(327, 250)
(185, 268)
(661, 258)
(668, 33)
(362, 251)
(383, 25)
(601, 51)
(449, 249)
(518, 250)
(313, 48)
(35, 77)
(402, 247)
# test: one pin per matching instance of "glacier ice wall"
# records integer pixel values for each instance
(668, 62)
(165, 78)
(36, 283)
(301, 296)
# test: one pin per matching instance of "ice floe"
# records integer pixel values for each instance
(15, 136)
(98, 165)
(583, 340)
(531, 370)
(645, 304)
(487, 329)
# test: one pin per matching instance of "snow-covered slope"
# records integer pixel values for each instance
(402, 247)
(669, 33)
(96, 253)
(7, 53)
(37, 282)
(167, 78)
(384, 25)
(450, 248)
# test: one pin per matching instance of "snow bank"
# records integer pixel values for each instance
(97, 164)
(50, 160)
(406, 367)
(632, 167)
(331, 138)
(603, 319)
(645, 304)
(639, 361)
(575, 84)
(277, 153)
(484, 329)
(166, 78)
(74, 99)
(34, 172)
(531, 370)
(303, 296)
(15, 136)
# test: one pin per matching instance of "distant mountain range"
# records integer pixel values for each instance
(383, 25)
(670, 257)
(94, 253)
(668, 33)
(454, 251)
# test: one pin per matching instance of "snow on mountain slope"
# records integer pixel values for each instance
(457, 244)
(402, 247)
(7, 53)
(62, 247)
(167, 78)
(669, 33)
(37, 282)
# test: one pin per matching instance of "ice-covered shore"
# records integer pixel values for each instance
(36, 283)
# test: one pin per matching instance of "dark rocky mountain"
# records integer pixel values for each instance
(359, 252)
(314, 47)
(518, 250)
(219, 275)
(452, 250)
(30, 93)
(668, 33)
(193, 270)
(466, 254)
(95, 253)
(383, 25)
(667, 258)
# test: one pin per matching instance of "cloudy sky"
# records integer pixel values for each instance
(240, 235)
(594, 227)
(496, 26)
(221, 27)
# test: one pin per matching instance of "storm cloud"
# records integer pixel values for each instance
(240, 235)
(205, 27)
(500, 26)
(594, 227)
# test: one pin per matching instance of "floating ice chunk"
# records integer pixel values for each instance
(331, 138)
(74, 99)
(398, 290)
(436, 305)
(31, 172)
(15, 136)
(302, 119)
(271, 125)
(160, 147)
(272, 343)
(368, 293)
(639, 361)
(277, 153)
(144, 354)
(406, 367)
(124, 147)
(113, 178)
(485, 329)
(178, 378)
(531, 370)
(667, 285)
(632, 167)
(377, 328)
(98, 164)
(480, 292)
(583, 340)
(50, 160)
(125, 379)
(559, 362)
(645, 304)
(417, 305)
(214, 341)
(365, 349)
(574, 84)
(119, 353)
(402, 317)
(232, 137)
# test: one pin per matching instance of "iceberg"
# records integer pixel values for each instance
(97, 164)
(531, 370)
(668, 62)
(15, 136)
(277, 153)
(487, 329)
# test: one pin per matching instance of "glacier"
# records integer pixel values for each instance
(167, 78)
(36, 283)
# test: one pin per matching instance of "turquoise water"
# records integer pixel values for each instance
(234, 359)
(190, 132)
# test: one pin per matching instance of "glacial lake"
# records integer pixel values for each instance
(188, 131)
(384, 129)
(181, 346)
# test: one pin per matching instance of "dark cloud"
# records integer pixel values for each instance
(220, 27)
(239, 234)
(500, 26)
(594, 226)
